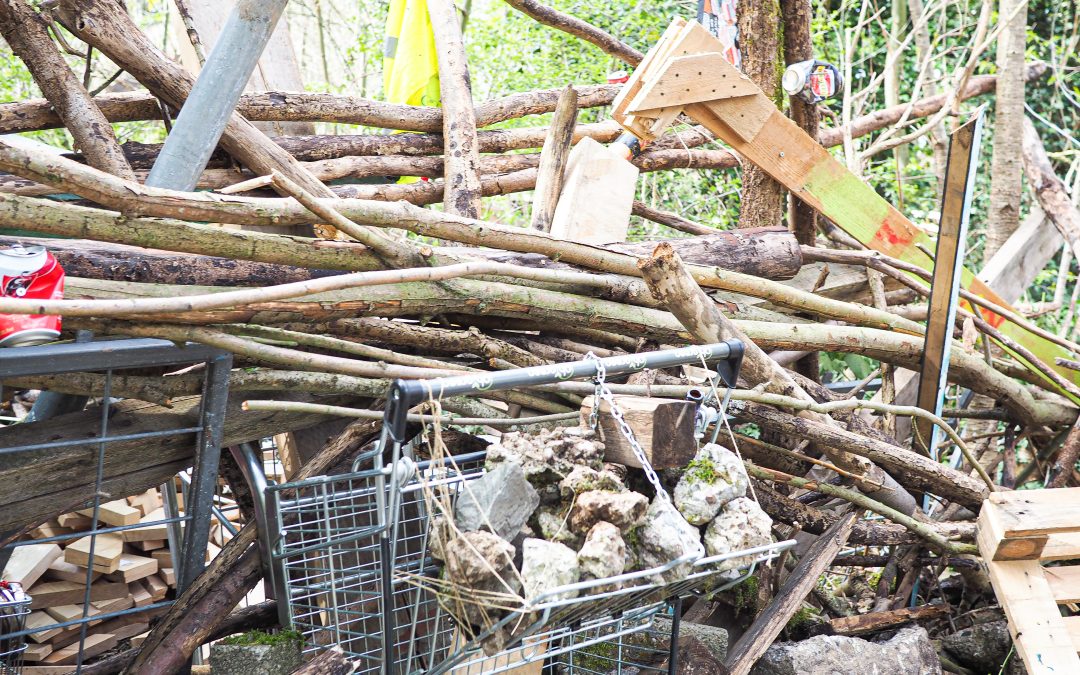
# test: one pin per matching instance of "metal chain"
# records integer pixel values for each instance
(603, 392)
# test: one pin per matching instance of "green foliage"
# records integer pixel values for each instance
(701, 470)
(258, 637)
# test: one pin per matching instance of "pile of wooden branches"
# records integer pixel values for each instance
(323, 304)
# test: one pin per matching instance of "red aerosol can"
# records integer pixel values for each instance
(32, 273)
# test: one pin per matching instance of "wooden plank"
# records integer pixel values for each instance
(164, 558)
(51, 528)
(597, 196)
(150, 545)
(1023, 255)
(1038, 631)
(53, 593)
(139, 594)
(117, 605)
(1072, 625)
(28, 563)
(753, 643)
(133, 567)
(687, 79)
(155, 532)
(115, 513)
(147, 501)
(62, 613)
(94, 645)
(994, 545)
(108, 548)
(156, 586)
(169, 575)
(62, 570)
(1064, 583)
(74, 521)
(945, 286)
(39, 619)
(36, 652)
(664, 429)
(1037, 512)
(1061, 546)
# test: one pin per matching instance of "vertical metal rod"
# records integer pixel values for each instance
(250, 461)
(673, 647)
(212, 100)
(204, 474)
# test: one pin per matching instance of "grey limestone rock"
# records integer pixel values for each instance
(909, 652)
(500, 501)
(603, 554)
(666, 536)
(545, 566)
(741, 525)
(621, 509)
(713, 478)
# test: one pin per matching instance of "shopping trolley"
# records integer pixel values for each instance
(345, 551)
(14, 608)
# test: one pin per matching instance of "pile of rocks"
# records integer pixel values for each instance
(549, 512)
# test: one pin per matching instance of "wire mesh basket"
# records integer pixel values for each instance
(632, 645)
(14, 608)
(350, 553)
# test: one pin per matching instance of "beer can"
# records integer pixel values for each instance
(29, 272)
(812, 80)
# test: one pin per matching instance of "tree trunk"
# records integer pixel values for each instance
(1005, 169)
(28, 35)
(762, 200)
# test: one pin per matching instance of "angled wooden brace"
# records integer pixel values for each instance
(760, 133)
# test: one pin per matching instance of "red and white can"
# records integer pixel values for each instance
(32, 273)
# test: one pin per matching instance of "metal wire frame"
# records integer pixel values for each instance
(359, 572)
(332, 570)
(621, 650)
(13, 613)
(107, 357)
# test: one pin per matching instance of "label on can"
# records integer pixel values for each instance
(29, 273)
(812, 80)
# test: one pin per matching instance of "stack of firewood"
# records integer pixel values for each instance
(128, 569)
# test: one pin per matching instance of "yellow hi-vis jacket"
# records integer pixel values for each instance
(410, 63)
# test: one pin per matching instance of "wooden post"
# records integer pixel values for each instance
(549, 178)
(945, 288)
(461, 155)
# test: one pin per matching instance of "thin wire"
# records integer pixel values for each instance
(106, 404)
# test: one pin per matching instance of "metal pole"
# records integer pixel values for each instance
(212, 100)
(204, 475)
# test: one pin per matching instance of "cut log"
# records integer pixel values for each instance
(875, 621)
(664, 428)
(28, 563)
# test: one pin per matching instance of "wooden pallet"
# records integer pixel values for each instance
(1018, 532)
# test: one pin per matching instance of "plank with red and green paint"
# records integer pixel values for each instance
(808, 170)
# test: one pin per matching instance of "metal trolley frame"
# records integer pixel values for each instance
(344, 548)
